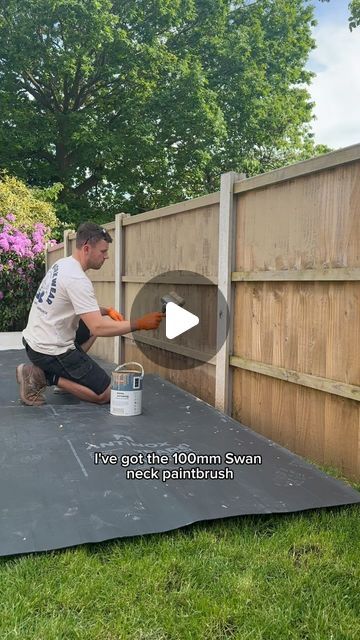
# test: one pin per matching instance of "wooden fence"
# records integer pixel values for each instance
(284, 250)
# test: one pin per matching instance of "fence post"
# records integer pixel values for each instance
(119, 284)
(67, 250)
(226, 264)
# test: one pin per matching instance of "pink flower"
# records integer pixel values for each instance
(11, 217)
(39, 226)
(4, 242)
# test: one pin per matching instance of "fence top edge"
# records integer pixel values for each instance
(178, 207)
(55, 247)
(312, 165)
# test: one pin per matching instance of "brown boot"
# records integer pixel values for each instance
(32, 383)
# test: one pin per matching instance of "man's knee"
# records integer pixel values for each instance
(104, 397)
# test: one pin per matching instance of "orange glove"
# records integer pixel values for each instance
(149, 321)
(115, 315)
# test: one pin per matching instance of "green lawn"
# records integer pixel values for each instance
(269, 578)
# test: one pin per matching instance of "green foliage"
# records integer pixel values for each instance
(131, 105)
(18, 290)
(28, 205)
(354, 19)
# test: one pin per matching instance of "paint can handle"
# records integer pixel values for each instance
(127, 364)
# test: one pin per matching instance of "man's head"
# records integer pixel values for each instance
(92, 243)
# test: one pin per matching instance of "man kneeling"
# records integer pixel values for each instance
(65, 320)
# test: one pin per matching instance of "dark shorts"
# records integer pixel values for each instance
(74, 365)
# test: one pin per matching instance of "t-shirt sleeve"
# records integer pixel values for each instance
(82, 295)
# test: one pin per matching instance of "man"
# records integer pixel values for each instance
(64, 321)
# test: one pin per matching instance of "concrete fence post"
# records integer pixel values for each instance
(119, 301)
(226, 264)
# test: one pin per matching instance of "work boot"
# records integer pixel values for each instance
(32, 384)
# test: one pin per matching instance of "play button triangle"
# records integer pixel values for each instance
(178, 320)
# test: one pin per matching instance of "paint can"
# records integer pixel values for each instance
(126, 390)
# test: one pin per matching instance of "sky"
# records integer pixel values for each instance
(336, 87)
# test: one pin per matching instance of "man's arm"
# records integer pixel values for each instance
(106, 327)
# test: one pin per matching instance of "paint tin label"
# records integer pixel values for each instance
(126, 390)
(126, 403)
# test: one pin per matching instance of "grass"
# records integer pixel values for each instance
(278, 577)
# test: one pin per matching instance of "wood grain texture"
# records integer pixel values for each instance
(54, 254)
(179, 207)
(315, 425)
(185, 241)
(303, 379)
(312, 222)
(346, 274)
(297, 307)
(307, 327)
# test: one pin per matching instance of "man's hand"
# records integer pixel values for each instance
(115, 315)
(149, 321)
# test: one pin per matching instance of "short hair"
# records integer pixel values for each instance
(91, 233)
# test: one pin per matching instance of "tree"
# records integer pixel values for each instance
(354, 20)
(131, 104)
(29, 206)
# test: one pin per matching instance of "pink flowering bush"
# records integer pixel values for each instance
(21, 270)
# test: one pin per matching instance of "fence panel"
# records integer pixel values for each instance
(297, 313)
(183, 238)
(53, 254)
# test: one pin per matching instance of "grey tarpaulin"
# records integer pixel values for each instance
(52, 495)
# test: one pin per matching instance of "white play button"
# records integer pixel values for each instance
(178, 320)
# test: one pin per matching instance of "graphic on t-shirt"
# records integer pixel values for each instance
(47, 288)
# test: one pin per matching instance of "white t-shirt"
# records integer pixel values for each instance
(64, 294)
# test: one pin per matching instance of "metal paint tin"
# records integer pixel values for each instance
(126, 390)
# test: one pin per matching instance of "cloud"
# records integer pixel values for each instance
(336, 87)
